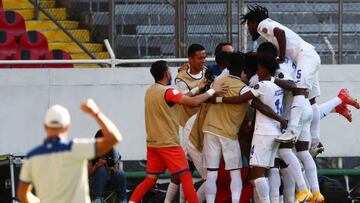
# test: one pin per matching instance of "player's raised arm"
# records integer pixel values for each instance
(108, 128)
(281, 38)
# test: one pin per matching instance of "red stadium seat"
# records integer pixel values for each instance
(58, 54)
(26, 54)
(34, 41)
(12, 22)
(8, 45)
(3, 57)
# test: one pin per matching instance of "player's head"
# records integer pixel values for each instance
(236, 63)
(267, 65)
(57, 121)
(225, 47)
(222, 59)
(251, 63)
(160, 71)
(267, 48)
(197, 57)
(253, 17)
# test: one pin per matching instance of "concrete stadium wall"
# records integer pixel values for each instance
(26, 94)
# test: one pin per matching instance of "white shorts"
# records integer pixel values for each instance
(303, 130)
(198, 160)
(216, 146)
(307, 68)
(186, 133)
(263, 150)
(315, 91)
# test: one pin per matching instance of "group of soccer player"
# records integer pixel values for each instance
(260, 111)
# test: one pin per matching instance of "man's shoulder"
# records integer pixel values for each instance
(50, 148)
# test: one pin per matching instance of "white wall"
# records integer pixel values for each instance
(26, 94)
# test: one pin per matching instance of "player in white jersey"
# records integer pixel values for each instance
(292, 46)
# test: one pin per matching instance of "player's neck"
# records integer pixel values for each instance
(193, 71)
(162, 82)
(265, 78)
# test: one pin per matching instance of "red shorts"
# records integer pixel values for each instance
(160, 158)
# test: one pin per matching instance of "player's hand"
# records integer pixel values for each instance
(219, 88)
(202, 84)
(100, 163)
(316, 150)
(212, 100)
(89, 106)
(184, 67)
(283, 123)
(280, 61)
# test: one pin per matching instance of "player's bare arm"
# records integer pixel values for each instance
(199, 99)
(24, 193)
(267, 111)
(281, 38)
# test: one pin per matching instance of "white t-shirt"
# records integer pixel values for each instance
(294, 43)
(58, 170)
(182, 87)
(224, 73)
(272, 95)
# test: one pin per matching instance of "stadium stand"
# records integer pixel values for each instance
(58, 54)
(142, 24)
(43, 34)
(26, 54)
(8, 45)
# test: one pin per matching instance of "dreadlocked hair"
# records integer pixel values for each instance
(256, 13)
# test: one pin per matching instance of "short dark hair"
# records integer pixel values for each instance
(256, 13)
(268, 62)
(251, 62)
(158, 69)
(222, 58)
(194, 48)
(267, 48)
(236, 61)
(219, 47)
(99, 134)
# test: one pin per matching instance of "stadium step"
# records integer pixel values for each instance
(25, 4)
(73, 47)
(49, 25)
(98, 55)
(57, 35)
(57, 13)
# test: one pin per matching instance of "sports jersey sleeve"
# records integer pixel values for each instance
(254, 80)
(173, 96)
(181, 86)
(258, 89)
(83, 148)
(267, 27)
(25, 173)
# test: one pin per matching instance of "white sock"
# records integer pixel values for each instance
(329, 106)
(262, 189)
(181, 195)
(274, 182)
(310, 169)
(289, 186)
(201, 193)
(297, 108)
(235, 185)
(315, 126)
(210, 186)
(171, 192)
(256, 196)
(294, 167)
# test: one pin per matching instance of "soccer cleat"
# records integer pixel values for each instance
(344, 95)
(287, 137)
(343, 110)
(318, 197)
(303, 196)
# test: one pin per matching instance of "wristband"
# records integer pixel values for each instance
(211, 92)
(272, 79)
(195, 90)
(219, 100)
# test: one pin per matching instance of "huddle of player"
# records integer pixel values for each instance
(267, 96)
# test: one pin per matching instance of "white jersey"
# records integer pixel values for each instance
(272, 95)
(294, 43)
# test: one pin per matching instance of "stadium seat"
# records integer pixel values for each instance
(34, 41)
(8, 45)
(26, 54)
(12, 22)
(58, 54)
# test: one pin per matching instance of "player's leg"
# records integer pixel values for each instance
(261, 184)
(288, 182)
(212, 153)
(275, 182)
(233, 163)
(172, 189)
(176, 162)
(154, 167)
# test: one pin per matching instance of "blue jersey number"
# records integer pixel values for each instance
(298, 74)
(278, 107)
